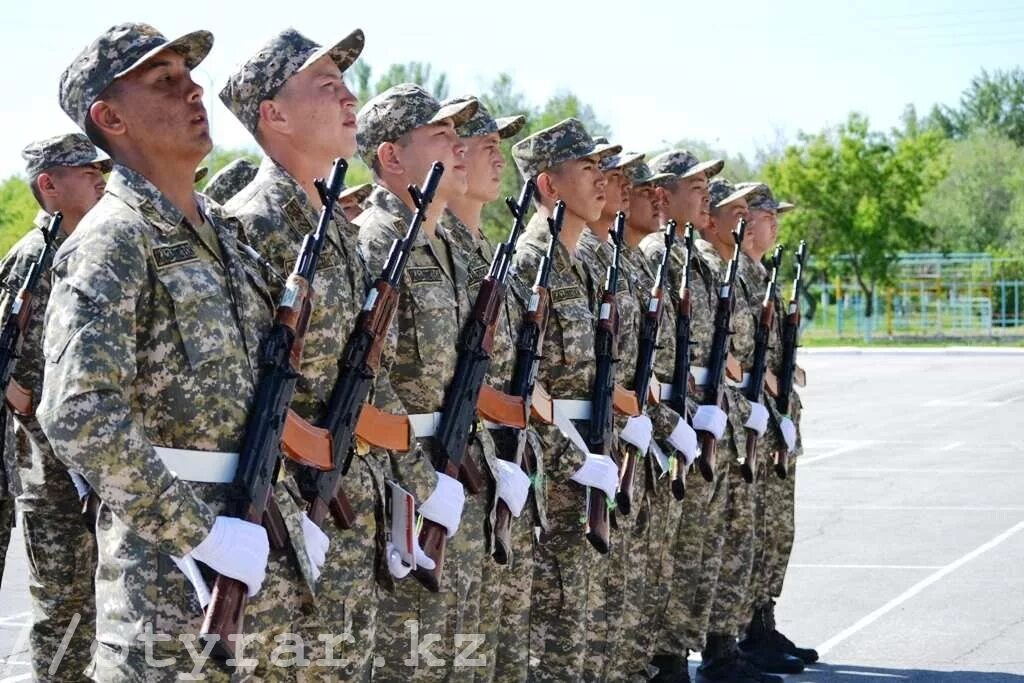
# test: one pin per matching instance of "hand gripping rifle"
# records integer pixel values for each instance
(259, 460)
(600, 435)
(529, 340)
(755, 385)
(18, 398)
(459, 411)
(715, 388)
(646, 349)
(681, 365)
(790, 332)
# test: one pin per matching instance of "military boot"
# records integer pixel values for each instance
(758, 648)
(671, 669)
(781, 643)
(721, 664)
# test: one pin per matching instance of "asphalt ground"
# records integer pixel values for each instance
(909, 557)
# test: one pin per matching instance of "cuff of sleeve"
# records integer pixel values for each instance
(186, 519)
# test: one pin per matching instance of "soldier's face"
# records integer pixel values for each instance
(643, 209)
(319, 110)
(484, 165)
(726, 219)
(77, 189)
(437, 142)
(689, 201)
(617, 192)
(762, 230)
(160, 111)
(581, 185)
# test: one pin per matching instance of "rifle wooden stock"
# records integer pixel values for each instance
(542, 406)
(678, 483)
(771, 383)
(503, 516)
(504, 409)
(749, 467)
(627, 479)
(384, 430)
(18, 399)
(598, 521)
(706, 459)
(733, 368)
(434, 542)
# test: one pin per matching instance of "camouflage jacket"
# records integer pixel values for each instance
(567, 357)
(39, 474)
(151, 339)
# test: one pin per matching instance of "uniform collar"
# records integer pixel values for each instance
(139, 193)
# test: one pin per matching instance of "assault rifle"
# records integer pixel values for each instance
(790, 333)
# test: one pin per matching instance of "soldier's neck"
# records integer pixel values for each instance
(572, 227)
(433, 212)
(303, 169)
(469, 211)
(174, 180)
(633, 235)
(755, 254)
(603, 226)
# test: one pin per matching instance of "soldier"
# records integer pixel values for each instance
(229, 181)
(763, 644)
(65, 173)
(351, 200)
(151, 346)
(401, 132)
(503, 619)
(292, 97)
(563, 159)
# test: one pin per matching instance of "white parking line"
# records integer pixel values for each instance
(865, 566)
(866, 621)
(849, 448)
(20, 615)
(952, 446)
(917, 508)
(924, 469)
(14, 679)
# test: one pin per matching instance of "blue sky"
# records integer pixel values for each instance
(740, 75)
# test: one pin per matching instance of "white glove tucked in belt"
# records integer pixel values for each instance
(758, 420)
(513, 486)
(444, 506)
(236, 548)
(788, 430)
(684, 440)
(637, 432)
(710, 419)
(399, 569)
(598, 471)
(316, 542)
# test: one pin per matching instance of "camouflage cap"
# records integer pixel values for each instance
(620, 161)
(71, 149)
(565, 141)
(116, 52)
(723, 192)
(684, 164)
(360, 192)
(482, 123)
(262, 75)
(401, 109)
(229, 181)
(763, 199)
(641, 174)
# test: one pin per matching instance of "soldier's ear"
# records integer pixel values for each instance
(45, 186)
(107, 119)
(272, 116)
(546, 186)
(389, 159)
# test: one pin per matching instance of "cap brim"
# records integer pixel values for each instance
(656, 179)
(456, 112)
(737, 195)
(627, 160)
(201, 173)
(360, 192)
(344, 53)
(104, 163)
(710, 168)
(784, 207)
(510, 125)
(192, 46)
(601, 151)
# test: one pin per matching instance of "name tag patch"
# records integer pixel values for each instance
(561, 294)
(419, 276)
(182, 252)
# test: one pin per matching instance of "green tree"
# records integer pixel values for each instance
(219, 157)
(859, 193)
(17, 209)
(993, 102)
(413, 72)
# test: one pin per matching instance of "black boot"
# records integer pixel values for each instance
(721, 663)
(781, 643)
(758, 648)
(671, 669)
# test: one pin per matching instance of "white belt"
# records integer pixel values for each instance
(567, 410)
(700, 378)
(208, 467)
(742, 384)
(424, 425)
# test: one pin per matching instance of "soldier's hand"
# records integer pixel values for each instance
(788, 430)
(711, 419)
(316, 543)
(444, 506)
(758, 420)
(513, 486)
(236, 548)
(637, 432)
(684, 440)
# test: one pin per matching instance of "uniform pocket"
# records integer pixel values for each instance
(576, 324)
(435, 320)
(202, 313)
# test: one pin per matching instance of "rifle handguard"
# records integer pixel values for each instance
(19, 399)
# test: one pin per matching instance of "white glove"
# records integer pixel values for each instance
(444, 506)
(190, 569)
(513, 486)
(758, 420)
(316, 542)
(710, 419)
(399, 569)
(788, 430)
(236, 548)
(684, 440)
(637, 432)
(600, 472)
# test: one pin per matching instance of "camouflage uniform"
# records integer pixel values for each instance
(564, 561)
(229, 181)
(61, 550)
(151, 338)
(432, 306)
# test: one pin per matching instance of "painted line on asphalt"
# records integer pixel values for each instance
(917, 508)
(20, 615)
(866, 566)
(14, 679)
(931, 579)
(855, 446)
(952, 446)
(918, 470)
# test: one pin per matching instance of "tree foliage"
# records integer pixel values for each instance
(993, 102)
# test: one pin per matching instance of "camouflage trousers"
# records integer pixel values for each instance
(563, 564)
(148, 616)
(424, 636)
(781, 499)
(696, 555)
(6, 524)
(505, 614)
(339, 624)
(735, 559)
(61, 556)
